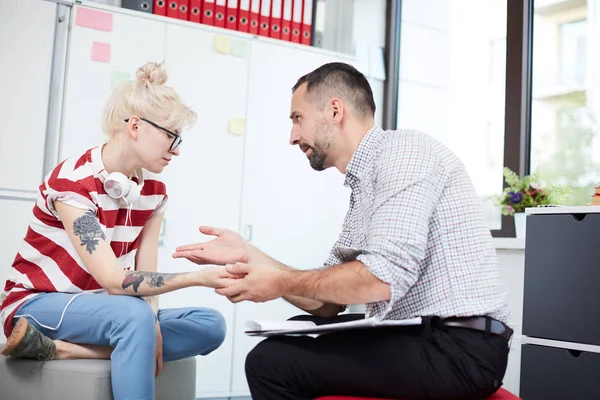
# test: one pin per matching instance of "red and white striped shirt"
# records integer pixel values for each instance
(47, 260)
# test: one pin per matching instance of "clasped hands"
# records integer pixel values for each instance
(241, 279)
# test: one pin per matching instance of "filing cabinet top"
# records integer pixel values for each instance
(563, 210)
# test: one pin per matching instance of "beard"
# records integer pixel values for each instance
(318, 158)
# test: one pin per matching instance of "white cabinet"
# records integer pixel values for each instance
(26, 43)
(294, 213)
(204, 183)
(133, 41)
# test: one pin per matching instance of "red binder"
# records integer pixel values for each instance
(231, 15)
(184, 9)
(286, 20)
(307, 23)
(276, 8)
(208, 12)
(220, 6)
(195, 11)
(173, 8)
(243, 16)
(160, 7)
(254, 16)
(297, 21)
(265, 13)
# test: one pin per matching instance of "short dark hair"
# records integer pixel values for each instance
(343, 79)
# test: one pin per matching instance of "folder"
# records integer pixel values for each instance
(220, 6)
(138, 5)
(173, 8)
(184, 10)
(160, 7)
(297, 21)
(254, 16)
(208, 12)
(243, 16)
(276, 8)
(265, 13)
(195, 14)
(286, 20)
(231, 15)
(307, 23)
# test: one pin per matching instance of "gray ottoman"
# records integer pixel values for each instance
(85, 379)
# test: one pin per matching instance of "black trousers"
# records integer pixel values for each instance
(428, 361)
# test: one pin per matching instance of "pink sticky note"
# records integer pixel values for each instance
(101, 52)
(88, 18)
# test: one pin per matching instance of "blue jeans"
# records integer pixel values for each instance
(128, 325)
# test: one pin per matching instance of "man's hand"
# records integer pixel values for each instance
(261, 283)
(227, 248)
(159, 350)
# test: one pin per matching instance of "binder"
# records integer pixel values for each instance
(254, 16)
(220, 6)
(195, 14)
(138, 5)
(160, 7)
(208, 12)
(183, 10)
(173, 8)
(297, 21)
(275, 21)
(265, 13)
(244, 16)
(231, 15)
(286, 20)
(307, 23)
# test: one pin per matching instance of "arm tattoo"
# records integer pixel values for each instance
(153, 279)
(88, 230)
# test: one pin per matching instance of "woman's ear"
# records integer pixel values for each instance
(133, 126)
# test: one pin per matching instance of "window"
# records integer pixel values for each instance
(452, 84)
(564, 130)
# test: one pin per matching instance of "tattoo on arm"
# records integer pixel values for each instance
(153, 279)
(88, 230)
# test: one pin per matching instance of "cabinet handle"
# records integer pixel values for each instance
(248, 233)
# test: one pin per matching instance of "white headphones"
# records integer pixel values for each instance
(119, 186)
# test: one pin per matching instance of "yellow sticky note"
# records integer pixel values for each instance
(221, 44)
(239, 48)
(237, 126)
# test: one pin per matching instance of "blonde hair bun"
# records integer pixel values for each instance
(151, 73)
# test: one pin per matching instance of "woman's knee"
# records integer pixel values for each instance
(214, 328)
(135, 314)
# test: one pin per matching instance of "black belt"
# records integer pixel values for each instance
(485, 324)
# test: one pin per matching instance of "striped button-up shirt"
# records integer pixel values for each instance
(416, 222)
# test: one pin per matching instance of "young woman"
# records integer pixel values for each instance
(84, 283)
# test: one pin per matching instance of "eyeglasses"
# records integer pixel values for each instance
(177, 140)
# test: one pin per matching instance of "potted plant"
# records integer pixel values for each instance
(525, 192)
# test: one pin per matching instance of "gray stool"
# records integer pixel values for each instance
(85, 379)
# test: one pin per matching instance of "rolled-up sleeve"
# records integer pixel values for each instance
(406, 190)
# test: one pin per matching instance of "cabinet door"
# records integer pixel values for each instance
(133, 41)
(26, 43)
(294, 213)
(15, 216)
(204, 183)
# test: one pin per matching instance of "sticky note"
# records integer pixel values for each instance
(101, 52)
(237, 126)
(239, 48)
(94, 19)
(118, 77)
(376, 62)
(222, 44)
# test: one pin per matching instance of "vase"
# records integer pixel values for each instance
(520, 225)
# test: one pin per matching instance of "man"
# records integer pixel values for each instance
(414, 243)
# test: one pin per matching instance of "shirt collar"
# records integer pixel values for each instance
(360, 161)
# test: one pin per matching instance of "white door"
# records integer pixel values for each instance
(294, 213)
(97, 61)
(204, 183)
(26, 44)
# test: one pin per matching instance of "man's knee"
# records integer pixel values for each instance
(264, 355)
